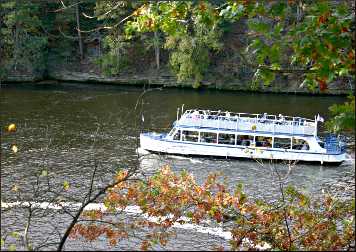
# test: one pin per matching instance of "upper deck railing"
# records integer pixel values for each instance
(249, 122)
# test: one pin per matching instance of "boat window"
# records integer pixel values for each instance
(300, 144)
(283, 143)
(226, 139)
(244, 140)
(208, 137)
(190, 136)
(177, 135)
(263, 141)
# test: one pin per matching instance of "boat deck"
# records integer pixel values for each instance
(247, 122)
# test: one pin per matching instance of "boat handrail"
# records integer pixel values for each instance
(248, 121)
(248, 115)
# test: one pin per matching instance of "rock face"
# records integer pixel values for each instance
(221, 75)
(167, 79)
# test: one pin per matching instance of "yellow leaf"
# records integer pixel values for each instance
(14, 148)
(65, 185)
(11, 127)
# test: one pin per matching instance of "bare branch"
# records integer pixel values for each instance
(67, 36)
(104, 14)
(66, 7)
(107, 27)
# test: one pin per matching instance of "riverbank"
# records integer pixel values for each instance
(164, 78)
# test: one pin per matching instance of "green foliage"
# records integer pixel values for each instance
(66, 185)
(191, 32)
(343, 116)
(313, 36)
(24, 43)
(115, 59)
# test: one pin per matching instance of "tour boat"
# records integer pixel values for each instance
(243, 135)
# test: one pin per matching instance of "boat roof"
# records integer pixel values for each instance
(263, 123)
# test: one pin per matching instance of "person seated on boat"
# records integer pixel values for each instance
(300, 122)
(196, 115)
(245, 142)
(266, 142)
(263, 118)
(281, 119)
(205, 114)
(232, 140)
(305, 146)
(184, 138)
(227, 115)
(238, 140)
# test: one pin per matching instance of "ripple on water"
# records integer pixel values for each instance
(67, 129)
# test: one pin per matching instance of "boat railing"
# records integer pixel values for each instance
(248, 122)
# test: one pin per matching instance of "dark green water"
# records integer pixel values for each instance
(66, 128)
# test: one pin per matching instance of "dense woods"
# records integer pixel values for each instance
(255, 40)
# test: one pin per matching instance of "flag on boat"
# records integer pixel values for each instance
(319, 118)
(143, 119)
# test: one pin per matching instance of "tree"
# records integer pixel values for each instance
(23, 44)
(191, 32)
(312, 39)
(343, 117)
(293, 222)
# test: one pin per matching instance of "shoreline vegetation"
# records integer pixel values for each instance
(163, 80)
(235, 46)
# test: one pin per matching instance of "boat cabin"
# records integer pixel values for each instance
(243, 129)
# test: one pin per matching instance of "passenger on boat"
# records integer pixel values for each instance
(227, 114)
(266, 142)
(263, 118)
(305, 146)
(195, 115)
(281, 119)
(184, 138)
(232, 140)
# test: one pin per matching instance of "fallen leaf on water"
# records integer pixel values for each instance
(14, 188)
(11, 127)
(14, 148)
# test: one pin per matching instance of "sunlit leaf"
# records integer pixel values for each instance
(14, 148)
(14, 188)
(12, 247)
(44, 173)
(11, 127)
(65, 185)
(14, 234)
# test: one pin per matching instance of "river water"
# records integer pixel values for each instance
(68, 128)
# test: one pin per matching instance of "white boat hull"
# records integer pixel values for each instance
(158, 143)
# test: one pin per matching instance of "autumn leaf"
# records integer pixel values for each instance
(14, 148)
(11, 127)
(145, 245)
(14, 188)
(322, 84)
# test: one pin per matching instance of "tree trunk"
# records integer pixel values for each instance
(299, 11)
(156, 45)
(17, 30)
(80, 41)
